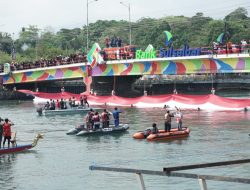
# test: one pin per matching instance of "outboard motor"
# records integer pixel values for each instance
(39, 111)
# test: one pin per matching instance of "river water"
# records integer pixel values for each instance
(61, 162)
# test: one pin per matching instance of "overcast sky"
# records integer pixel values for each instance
(15, 14)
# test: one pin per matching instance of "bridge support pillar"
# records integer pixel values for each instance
(87, 81)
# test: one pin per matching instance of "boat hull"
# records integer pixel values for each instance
(15, 149)
(162, 135)
(104, 131)
(75, 130)
(169, 135)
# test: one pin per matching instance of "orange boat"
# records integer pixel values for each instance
(162, 135)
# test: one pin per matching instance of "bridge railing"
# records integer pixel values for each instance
(221, 50)
(171, 172)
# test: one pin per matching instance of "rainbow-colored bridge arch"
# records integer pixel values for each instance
(167, 66)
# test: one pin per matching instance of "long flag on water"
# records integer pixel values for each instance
(94, 56)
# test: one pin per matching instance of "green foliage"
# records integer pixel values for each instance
(199, 30)
(4, 57)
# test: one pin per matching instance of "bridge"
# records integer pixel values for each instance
(205, 64)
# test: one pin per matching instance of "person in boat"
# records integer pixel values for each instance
(47, 106)
(116, 113)
(92, 112)
(7, 131)
(167, 123)
(165, 106)
(70, 102)
(81, 101)
(105, 119)
(179, 118)
(73, 101)
(88, 120)
(96, 120)
(1, 131)
(85, 100)
(155, 129)
(52, 105)
(61, 104)
(65, 104)
(58, 104)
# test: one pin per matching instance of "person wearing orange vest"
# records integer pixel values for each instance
(89, 120)
(105, 119)
(96, 120)
(7, 131)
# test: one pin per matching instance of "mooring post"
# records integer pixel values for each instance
(203, 184)
(140, 177)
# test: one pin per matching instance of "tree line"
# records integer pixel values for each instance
(197, 31)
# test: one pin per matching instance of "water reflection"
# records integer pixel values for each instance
(7, 175)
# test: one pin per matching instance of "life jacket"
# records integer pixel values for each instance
(96, 118)
(6, 130)
(105, 116)
(58, 104)
(89, 118)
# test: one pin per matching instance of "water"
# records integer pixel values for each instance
(61, 162)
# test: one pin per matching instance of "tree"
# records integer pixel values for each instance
(238, 14)
(5, 42)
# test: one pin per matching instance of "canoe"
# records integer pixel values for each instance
(20, 148)
(162, 135)
(103, 131)
(74, 110)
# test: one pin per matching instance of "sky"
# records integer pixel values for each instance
(56, 14)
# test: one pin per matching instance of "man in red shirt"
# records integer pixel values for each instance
(7, 131)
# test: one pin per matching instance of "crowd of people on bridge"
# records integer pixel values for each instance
(115, 51)
(230, 48)
(57, 61)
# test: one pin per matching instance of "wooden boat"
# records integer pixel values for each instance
(103, 131)
(17, 148)
(162, 135)
(74, 110)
